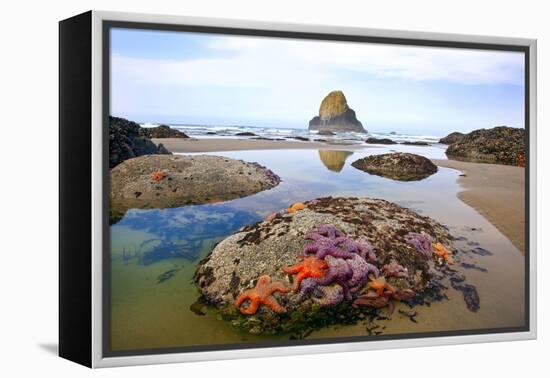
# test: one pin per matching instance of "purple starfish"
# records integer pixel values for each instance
(362, 247)
(338, 271)
(329, 231)
(360, 272)
(393, 269)
(422, 242)
(329, 296)
(307, 286)
(327, 241)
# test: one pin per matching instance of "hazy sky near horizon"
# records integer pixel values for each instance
(180, 77)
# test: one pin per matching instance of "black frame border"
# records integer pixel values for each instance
(107, 25)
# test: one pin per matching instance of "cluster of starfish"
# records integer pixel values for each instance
(159, 175)
(380, 293)
(425, 245)
(336, 267)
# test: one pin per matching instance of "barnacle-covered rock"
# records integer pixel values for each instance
(165, 181)
(372, 232)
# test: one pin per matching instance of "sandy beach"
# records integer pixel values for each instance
(497, 192)
(220, 144)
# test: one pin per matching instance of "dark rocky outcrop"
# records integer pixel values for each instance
(245, 133)
(398, 166)
(126, 141)
(162, 131)
(452, 138)
(300, 138)
(335, 115)
(373, 140)
(415, 143)
(499, 145)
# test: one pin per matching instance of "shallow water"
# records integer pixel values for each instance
(154, 253)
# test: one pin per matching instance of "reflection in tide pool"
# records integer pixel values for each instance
(154, 252)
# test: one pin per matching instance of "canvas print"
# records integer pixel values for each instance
(269, 191)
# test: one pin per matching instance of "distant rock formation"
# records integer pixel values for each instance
(127, 141)
(500, 145)
(162, 131)
(451, 138)
(398, 166)
(334, 160)
(335, 115)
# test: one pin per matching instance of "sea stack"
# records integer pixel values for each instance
(335, 115)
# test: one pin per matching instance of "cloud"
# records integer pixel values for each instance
(270, 63)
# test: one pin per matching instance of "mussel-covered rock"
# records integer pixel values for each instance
(398, 166)
(500, 145)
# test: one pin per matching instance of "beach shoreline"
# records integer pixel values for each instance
(179, 145)
(495, 191)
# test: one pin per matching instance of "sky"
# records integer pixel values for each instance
(212, 79)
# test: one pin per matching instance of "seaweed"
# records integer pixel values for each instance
(167, 275)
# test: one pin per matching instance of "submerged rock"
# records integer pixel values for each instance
(162, 131)
(126, 141)
(452, 138)
(161, 181)
(500, 145)
(398, 166)
(335, 115)
(356, 237)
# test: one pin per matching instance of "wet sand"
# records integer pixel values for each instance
(219, 144)
(497, 192)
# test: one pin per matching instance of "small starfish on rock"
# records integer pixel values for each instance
(262, 295)
(157, 176)
(296, 207)
(309, 267)
(393, 269)
(440, 250)
(380, 285)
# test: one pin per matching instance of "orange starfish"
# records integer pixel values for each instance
(261, 295)
(380, 285)
(157, 176)
(440, 250)
(296, 207)
(309, 267)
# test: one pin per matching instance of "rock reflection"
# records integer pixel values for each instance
(334, 160)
